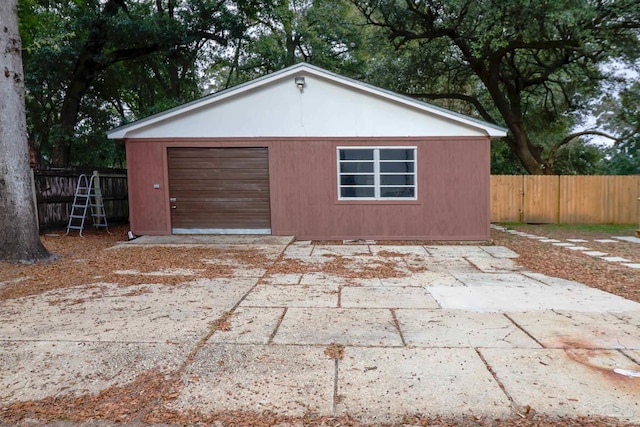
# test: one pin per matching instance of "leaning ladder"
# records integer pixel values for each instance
(87, 198)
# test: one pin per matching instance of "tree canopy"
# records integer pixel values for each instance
(529, 65)
(546, 70)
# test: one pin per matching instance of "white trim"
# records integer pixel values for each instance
(220, 231)
(376, 172)
(489, 129)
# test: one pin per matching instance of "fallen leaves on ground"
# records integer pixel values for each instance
(149, 397)
(134, 401)
(559, 262)
(342, 266)
(334, 351)
(85, 261)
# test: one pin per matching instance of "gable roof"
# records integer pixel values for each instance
(138, 127)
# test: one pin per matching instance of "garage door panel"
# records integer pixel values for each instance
(222, 174)
(209, 221)
(219, 207)
(218, 185)
(207, 216)
(189, 163)
(217, 153)
(212, 223)
(219, 189)
(221, 196)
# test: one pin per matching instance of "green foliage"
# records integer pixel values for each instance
(623, 158)
(621, 115)
(146, 56)
(503, 161)
(578, 158)
(322, 32)
(537, 68)
(532, 67)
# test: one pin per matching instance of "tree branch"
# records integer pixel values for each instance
(466, 98)
(210, 36)
(126, 54)
(564, 141)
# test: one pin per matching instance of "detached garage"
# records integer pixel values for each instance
(310, 153)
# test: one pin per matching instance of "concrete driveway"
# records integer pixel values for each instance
(376, 332)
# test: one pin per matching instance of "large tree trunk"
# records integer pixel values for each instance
(19, 240)
(528, 154)
(510, 108)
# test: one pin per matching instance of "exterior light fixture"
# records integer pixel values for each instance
(300, 82)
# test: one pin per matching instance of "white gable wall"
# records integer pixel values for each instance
(323, 109)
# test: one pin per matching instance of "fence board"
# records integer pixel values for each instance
(623, 206)
(584, 199)
(566, 199)
(506, 198)
(540, 199)
(55, 189)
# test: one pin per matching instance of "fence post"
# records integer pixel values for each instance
(522, 196)
(35, 195)
(559, 199)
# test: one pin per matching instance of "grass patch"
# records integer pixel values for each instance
(623, 229)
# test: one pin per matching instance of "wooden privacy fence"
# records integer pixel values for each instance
(565, 199)
(54, 190)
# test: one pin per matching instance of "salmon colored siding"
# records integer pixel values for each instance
(453, 189)
(148, 206)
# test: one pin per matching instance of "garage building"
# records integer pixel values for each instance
(309, 153)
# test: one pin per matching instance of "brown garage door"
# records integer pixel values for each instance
(219, 190)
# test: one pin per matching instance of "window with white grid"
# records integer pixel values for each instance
(377, 173)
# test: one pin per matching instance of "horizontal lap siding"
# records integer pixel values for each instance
(453, 189)
(453, 192)
(219, 188)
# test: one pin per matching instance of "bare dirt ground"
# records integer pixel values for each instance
(82, 261)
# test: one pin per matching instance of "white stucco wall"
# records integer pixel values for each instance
(323, 109)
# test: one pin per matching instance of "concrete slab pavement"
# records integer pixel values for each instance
(632, 239)
(33, 370)
(292, 380)
(346, 326)
(529, 298)
(386, 297)
(212, 240)
(440, 330)
(110, 313)
(250, 325)
(573, 382)
(292, 296)
(555, 329)
(377, 384)
(451, 328)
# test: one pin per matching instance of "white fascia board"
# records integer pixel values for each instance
(490, 129)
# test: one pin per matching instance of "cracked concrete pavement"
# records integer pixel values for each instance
(463, 330)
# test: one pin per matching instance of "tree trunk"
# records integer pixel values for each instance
(511, 111)
(87, 68)
(528, 154)
(291, 49)
(19, 240)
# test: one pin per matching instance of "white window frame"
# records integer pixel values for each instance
(376, 171)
